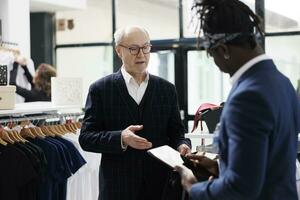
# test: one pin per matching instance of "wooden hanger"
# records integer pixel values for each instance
(53, 130)
(58, 130)
(5, 136)
(40, 132)
(36, 132)
(47, 131)
(2, 142)
(15, 133)
(15, 51)
(25, 132)
(65, 128)
(78, 125)
(13, 136)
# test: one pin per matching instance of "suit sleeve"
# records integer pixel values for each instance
(93, 136)
(176, 129)
(249, 122)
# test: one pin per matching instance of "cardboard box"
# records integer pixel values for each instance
(7, 97)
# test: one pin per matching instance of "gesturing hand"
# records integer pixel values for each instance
(131, 139)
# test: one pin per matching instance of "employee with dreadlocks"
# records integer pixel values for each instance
(260, 121)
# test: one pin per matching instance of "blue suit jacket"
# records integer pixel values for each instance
(130, 174)
(257, 139)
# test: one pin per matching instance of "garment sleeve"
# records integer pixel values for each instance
(28, 75)
(176, 128)
(249, 122)
(29, 95)
(93, 135)
(13, 74)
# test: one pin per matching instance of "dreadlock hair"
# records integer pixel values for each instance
(228, 16)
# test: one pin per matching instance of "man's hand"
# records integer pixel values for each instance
(187, 177)
(184, 149)
(131, 139)
(210, 165)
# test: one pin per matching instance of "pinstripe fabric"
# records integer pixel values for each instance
(130, 174)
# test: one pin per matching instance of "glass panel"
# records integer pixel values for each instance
(285, 52)
(162, 64)
(93, 24)
(282, 15)
(188, 27)
(89, 63)
(206, 84)
(159, 17)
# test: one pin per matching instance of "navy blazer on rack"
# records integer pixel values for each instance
(109, 110)
(257, 139)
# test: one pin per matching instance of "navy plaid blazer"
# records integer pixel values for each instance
(130, 174)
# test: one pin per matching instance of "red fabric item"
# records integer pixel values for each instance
(203, 107)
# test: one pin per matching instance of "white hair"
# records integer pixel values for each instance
(121, 32)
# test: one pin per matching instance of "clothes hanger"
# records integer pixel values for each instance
(13, 136)
(2, 142)
(58, 129)
(65, 128)
(5, 136)
(47, 131)
(78, 125)
(69, 126)
(39, 131)
(15, 133)
(25, 132)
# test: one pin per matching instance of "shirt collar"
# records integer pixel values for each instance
(127, 77)
(247, 66)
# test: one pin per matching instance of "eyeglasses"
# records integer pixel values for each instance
(135, 50)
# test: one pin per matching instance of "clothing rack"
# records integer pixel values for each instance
(48, 116)
(8, 43)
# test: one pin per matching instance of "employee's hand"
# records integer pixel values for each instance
(202, 160)
(129, 138)
(187, 177)
(184, 149)
(21, 60)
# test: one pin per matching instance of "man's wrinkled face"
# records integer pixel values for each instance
(134, 50)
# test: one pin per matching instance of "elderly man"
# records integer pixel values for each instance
(127, 113)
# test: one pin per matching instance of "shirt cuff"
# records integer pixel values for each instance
(124, 147)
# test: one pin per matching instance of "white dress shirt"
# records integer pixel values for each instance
(135, 90)
(247, 66)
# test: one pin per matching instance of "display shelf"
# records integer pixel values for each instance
(35, 108)
(199, 135)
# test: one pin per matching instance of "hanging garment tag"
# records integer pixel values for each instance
(3, 74)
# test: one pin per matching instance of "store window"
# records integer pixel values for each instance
(282, 16)
(189, 26)
(206, 83)
(284, 50)
(89, 63)
(91, 25)
(159, 17)
(162, 64)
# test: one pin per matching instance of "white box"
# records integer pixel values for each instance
(7, 97)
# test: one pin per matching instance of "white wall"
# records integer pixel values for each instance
(94, 24)
(15, 19)
(90, 25)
